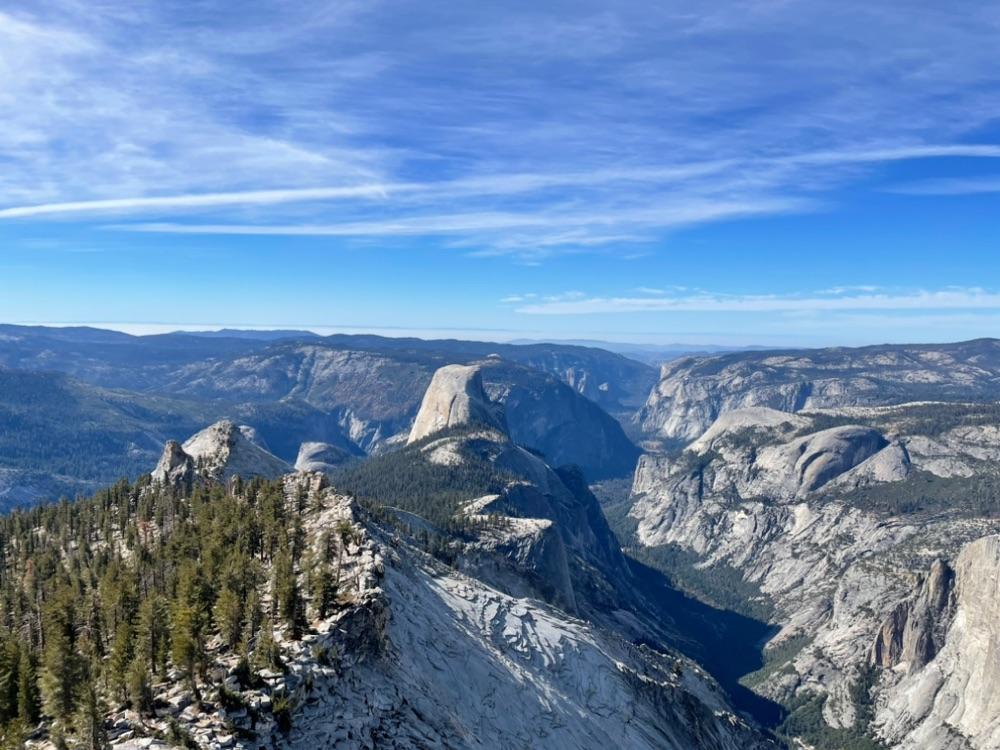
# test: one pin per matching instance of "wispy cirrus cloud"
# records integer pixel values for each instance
(954, 186)
(829, 301)
(407, 194)
(202, 200)
(497, 228)
(521, 131)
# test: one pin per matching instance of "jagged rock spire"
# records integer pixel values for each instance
(219, 452)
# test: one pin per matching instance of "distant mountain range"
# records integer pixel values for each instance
(652, 354)
(94, 405)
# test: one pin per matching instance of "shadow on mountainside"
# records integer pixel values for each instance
(727, 644)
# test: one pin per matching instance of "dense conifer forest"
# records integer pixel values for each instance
(101, 598)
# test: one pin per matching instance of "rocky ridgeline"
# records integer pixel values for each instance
(420, 655)
(693, 392)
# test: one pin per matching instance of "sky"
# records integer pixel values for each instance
(769, 172)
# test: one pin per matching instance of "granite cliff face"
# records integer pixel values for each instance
(694, 391)
(837, 529)
(946, 696)
(547, 415)
(913, 633)
(455, 398)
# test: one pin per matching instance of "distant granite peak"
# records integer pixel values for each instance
(456, 398)
(321, 457)
(219, 452)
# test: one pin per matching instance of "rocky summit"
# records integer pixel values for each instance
(219, 452)
(455, 398)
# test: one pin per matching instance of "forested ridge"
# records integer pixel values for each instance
(102, 598)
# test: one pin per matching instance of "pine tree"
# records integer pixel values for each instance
(9, 664)
(266, 654)
(324, 591)
(187, 620)
(345, 534)
(88, 720)
(153, 634)
(13, 735)
(140, 695)
(28, 702)
(119, 661)
(291, 607)
(59, 660)
(185, 648)
(228, 615)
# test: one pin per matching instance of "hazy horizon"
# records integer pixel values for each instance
(681, 342)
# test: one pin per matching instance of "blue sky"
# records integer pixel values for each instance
(756, 172)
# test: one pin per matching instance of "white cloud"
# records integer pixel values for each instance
(963, 186)
(900, 153)
(207, 200)
(946, 299)
(681, 213)
(502, 128)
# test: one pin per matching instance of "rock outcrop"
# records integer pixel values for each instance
(455, 398)
(814, 460)
(218, 453)
(321, 457)
(521, 556)
(176, 468)
(913, 633)
(952, 701)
